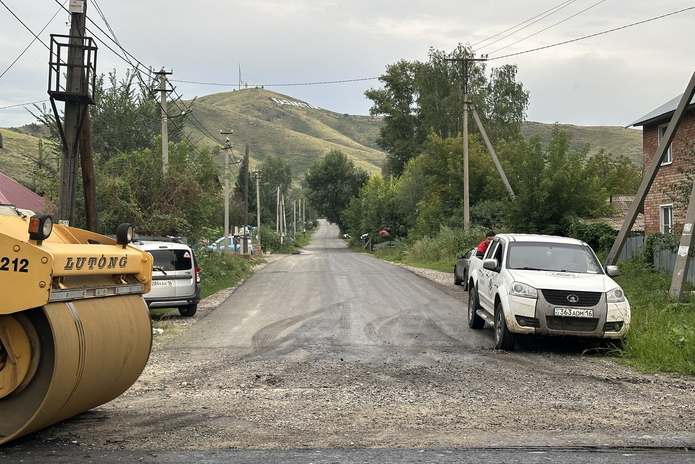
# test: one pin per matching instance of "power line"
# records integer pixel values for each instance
(551, 26)
(594, 35)
(530, 22)
(343, 81)
(36, 37)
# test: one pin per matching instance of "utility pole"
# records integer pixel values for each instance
(165, 130)
(70, 82)
(466, 184)
(227, 147)
(258, 208)
(245, 246)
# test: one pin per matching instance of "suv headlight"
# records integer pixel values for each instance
(615, 296)
(523, 290)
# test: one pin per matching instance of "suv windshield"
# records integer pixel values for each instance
(553, 257)
(172, 260)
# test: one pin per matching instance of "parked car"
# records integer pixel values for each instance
(175, 276)
(545, 285)
(461, 268)
(218, 245)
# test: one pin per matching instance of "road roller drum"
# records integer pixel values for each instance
(75, 331)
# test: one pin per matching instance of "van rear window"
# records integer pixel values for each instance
(172, 260)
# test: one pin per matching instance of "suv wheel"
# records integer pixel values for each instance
(504, 339)
(474, 321)
(188, 311)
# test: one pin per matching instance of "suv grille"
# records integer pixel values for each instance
(572, 324)
(577, 299)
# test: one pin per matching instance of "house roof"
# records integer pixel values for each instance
(622, 205)
(14, 193)
(662, 112)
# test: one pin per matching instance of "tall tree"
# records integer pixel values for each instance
(553, 186)
(332, 182)
(184, 203)
(276, 174)
(420, 98)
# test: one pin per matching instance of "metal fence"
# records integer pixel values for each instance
(663, 260)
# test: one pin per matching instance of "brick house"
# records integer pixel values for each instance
(660, 212)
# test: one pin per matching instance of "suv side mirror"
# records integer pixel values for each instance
(490, 264)
(613, 271)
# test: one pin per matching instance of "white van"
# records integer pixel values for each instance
(175, 276)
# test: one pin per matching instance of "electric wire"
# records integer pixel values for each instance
(36, 37)
(593, 35)
(514, 29)
(549, 27)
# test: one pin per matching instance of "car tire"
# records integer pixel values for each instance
(465, 280)
(504, 339)
(457, 281)
(188, 311)
(474, 320)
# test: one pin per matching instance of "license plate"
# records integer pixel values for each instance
(162, 283)
(574, 312)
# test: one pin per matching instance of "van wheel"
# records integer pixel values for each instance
(504, 339)
(474, 321)
(188, 311)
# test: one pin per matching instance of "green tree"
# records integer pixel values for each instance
(617, 174)
(396, 101)
(184, 203)
(420, 98)
(332, 182)
(373, 209)
(276, 174)
(553, 186)
(127, 117)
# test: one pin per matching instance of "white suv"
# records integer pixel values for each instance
(175, 276)
(544, 285)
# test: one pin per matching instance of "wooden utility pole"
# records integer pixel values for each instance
(70, 82)
(491, 149)
(466, 184)
(227, 147)
(165, 119)
(245, 246)
(258, 207)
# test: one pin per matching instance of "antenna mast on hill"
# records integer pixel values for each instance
(239, 76)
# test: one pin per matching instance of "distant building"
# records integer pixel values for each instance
(14, 193)
(660, 213)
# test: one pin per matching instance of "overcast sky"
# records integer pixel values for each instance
(612, 78)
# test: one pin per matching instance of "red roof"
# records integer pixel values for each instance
(14, 193)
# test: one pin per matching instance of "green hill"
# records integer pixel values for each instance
(612, 139)
(19, 146)
(272, 123)
(299, 133)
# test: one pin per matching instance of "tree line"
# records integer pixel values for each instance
(420, 188)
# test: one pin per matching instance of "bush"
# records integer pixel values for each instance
(221, 270)
(600, 236)
(447, 244)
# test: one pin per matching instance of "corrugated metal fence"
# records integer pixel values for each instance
(663, 260)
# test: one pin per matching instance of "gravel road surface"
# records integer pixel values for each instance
(335, 349)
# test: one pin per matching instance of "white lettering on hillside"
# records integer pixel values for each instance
(294, 103)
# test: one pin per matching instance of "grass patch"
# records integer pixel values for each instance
(662, 333)
(222, 270)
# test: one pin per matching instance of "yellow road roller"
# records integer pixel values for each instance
(75, 331)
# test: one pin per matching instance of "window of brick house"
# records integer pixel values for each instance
(666, 219)
(668, 158)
